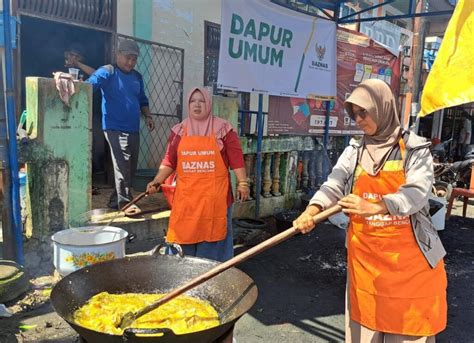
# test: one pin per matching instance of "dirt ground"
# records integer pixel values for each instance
(301, 292)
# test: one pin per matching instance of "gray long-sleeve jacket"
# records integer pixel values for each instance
(410, 199)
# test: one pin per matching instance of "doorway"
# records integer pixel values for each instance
(42, 46)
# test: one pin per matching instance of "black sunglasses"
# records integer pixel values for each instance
(361, 113)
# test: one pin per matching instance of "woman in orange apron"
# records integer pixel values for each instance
(396, 281)
(200, 150)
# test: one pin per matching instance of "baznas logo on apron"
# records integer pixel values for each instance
(199, 167)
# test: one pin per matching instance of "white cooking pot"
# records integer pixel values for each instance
(80, 247)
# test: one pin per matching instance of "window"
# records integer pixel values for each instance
(399, 22)
(306, 6)
(212, 37)
(346, 10)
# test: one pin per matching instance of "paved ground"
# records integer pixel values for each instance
(302, 288)
(301, 292)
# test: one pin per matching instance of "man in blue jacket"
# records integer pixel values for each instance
(123, 101)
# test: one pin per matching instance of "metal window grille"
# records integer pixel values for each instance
(162, 68)
(212, 37)
(303, 6)
(100, 14)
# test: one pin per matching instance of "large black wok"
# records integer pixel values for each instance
(232, 293)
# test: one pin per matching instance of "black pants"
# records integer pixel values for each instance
(124, 148)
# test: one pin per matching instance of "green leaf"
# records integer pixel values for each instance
(24, 327)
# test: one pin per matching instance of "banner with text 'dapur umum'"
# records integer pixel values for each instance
(269, 49)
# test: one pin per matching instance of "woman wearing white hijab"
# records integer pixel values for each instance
(396, 283)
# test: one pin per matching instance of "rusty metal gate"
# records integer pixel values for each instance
(162, 68)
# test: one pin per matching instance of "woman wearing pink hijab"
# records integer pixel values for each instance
(200, 150)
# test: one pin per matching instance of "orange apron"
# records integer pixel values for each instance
(392, 288)
(199, 211)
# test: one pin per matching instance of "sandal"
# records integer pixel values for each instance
(132, 211)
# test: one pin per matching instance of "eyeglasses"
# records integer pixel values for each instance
(361, 113)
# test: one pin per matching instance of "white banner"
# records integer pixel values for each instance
(269, 49)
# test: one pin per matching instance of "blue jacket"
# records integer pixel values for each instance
(123, 95)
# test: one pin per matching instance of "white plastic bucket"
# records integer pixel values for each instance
(80, 247)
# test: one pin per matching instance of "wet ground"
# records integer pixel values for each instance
(301, 291)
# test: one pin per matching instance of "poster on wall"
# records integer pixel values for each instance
(358, 58)
(269, 49)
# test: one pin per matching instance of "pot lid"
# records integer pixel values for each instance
(9, 269)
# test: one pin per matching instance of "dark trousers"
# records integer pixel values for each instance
(124, 148)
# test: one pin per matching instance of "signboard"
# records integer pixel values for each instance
(358, 58)
(383, 32)
(269, 49)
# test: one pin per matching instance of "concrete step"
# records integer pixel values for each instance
(147, 226)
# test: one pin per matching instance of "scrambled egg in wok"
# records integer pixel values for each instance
(184, 314)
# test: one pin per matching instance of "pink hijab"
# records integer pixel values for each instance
(204, 127)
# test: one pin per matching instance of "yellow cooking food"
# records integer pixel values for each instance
(184, 314)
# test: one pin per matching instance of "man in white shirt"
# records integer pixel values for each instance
(465, 134)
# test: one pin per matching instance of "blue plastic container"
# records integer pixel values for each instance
(22, 177)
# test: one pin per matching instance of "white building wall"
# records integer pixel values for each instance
(125, 17)
(180, 23)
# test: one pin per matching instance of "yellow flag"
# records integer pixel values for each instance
(451, 80)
